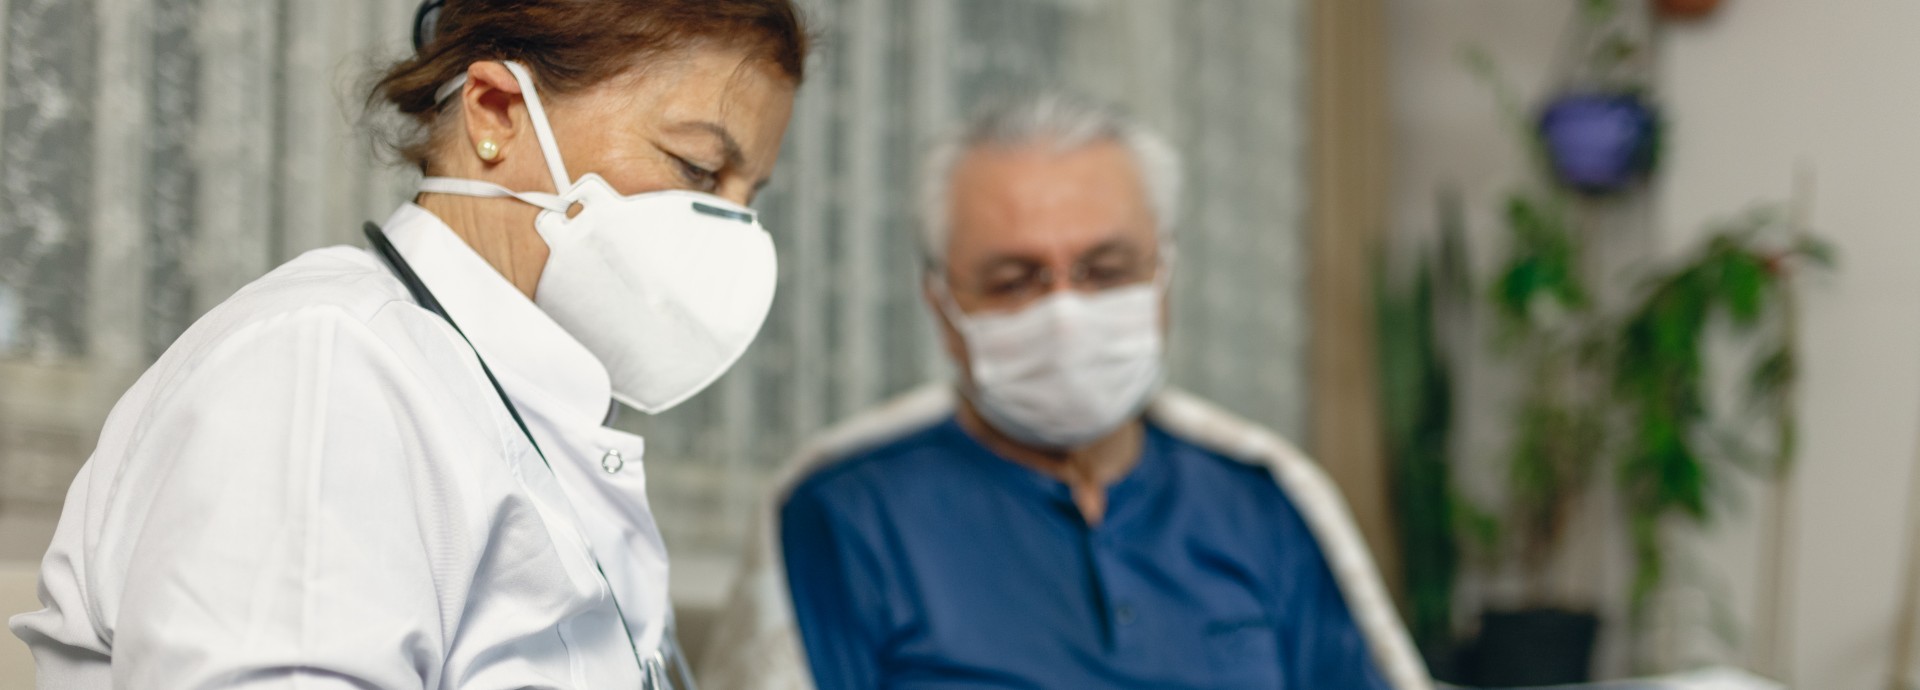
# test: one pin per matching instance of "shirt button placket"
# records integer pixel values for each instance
(1122, 611)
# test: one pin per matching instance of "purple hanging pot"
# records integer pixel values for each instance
(1600, 143)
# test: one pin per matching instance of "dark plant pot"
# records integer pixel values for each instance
(1450, 663)
(1533, 647)
(1599, 143)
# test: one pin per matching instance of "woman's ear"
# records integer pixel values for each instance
(489, 111)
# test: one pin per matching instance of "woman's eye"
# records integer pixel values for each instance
(699, 178)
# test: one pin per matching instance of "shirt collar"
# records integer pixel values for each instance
(1148, 476)
(536, 360)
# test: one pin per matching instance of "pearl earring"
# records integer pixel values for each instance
(488, 150)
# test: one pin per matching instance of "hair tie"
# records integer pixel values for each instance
(425, 20)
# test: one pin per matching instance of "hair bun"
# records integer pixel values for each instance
(425, 20)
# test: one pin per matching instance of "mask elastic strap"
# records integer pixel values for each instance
(448, 89)
(465, 187)
(542, 130)
(943, 298)
(1169, 255)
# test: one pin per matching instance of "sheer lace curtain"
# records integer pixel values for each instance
(157, 154)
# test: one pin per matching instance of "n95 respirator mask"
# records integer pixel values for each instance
(667, 289)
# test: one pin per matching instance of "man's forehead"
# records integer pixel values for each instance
(1038, 192)
(1105, 165)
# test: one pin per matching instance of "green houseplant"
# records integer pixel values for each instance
(1553, 334)
(1551, 331)
(1413, 307)
(1614, 379)
(1672, 449)
(1629, 392)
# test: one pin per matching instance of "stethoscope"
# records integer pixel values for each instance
(666, 668)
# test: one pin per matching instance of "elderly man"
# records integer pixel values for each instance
(1060, 523)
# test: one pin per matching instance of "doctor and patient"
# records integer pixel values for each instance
(392, 466)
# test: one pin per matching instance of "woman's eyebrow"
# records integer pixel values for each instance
(729, 146)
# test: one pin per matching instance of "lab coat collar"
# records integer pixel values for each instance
(517, 339)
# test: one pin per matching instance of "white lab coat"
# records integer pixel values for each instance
(317, 487)
(756, 643)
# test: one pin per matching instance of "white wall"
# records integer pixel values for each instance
(1761, 88)
(1768, 85)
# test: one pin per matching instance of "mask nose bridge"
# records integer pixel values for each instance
(1070, 310)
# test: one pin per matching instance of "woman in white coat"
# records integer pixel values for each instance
(389, 467)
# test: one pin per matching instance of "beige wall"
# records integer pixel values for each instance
(16, 596)
(1774, 84)
(1764, 87)
(23, 537)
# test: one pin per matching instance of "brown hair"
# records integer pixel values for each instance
(573, 44)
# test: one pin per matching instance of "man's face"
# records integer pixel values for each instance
(1028, 221)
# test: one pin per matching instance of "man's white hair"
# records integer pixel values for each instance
(1064, 122)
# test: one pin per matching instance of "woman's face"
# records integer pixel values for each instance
(706, 118)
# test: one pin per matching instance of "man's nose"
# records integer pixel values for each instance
(1069, 277)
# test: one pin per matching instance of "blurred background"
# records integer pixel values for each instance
(1601, 312)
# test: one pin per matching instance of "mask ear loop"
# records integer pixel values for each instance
(936, 278)
(1163, 273)
(464, 187)
(448, 89)
(936, 275)
(542, 130)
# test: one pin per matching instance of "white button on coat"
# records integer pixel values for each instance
(612, 462)
(317, 487)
